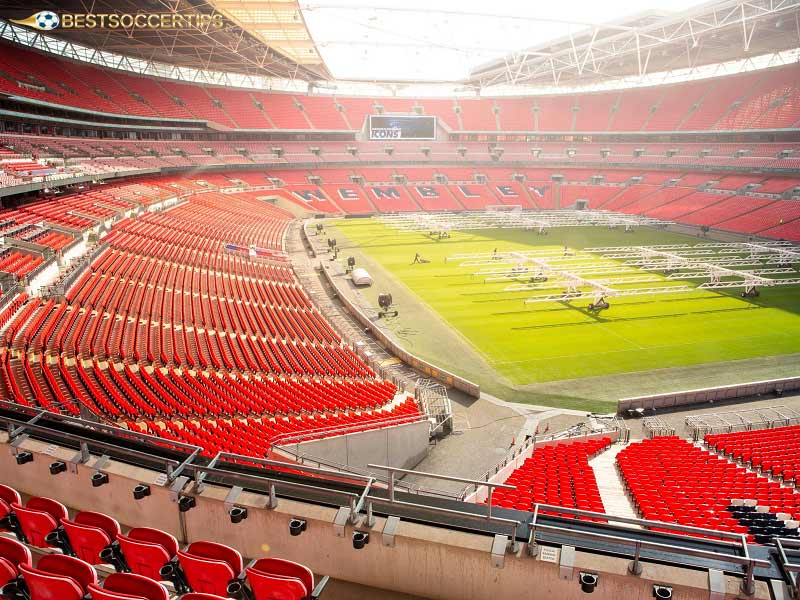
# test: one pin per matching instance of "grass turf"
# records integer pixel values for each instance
(533, 343)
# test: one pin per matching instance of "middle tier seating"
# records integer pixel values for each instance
(191, 325)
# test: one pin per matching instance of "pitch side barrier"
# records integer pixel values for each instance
(429, 369)
(705, 395)
(180, 471)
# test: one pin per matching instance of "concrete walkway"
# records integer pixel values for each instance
(609, 482)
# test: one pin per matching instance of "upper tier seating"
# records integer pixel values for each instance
(755, 100)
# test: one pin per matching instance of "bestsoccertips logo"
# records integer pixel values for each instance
(47, 20)
(44, 20)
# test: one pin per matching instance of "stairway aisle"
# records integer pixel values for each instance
(612, 490)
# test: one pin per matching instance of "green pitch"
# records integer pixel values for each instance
(542, 342)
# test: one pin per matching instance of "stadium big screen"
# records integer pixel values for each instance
(386, 127)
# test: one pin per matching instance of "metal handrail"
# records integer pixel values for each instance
(789, 568)
(173, 467)
(393, 470)
(516, 451)
(370, 497)
(346, 469)
(312, 434)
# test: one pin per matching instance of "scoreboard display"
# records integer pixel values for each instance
(389, 127)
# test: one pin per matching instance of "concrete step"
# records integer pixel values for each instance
(609, 482)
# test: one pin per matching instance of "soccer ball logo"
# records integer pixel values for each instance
(46, 20)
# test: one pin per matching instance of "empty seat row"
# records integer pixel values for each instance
(144, 559)
(770, 451)
(671, 480)
(558, 475)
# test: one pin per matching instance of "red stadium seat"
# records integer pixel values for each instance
(12, 555)
(209, 567)
(45, 586)
(127, 586)
(8, 571)
(279, 579)
(15, 552)
(89, 533)
(268, 586)
(146, 550)
(58, 577)
(39, 517)
(201, 596)
(8, 496)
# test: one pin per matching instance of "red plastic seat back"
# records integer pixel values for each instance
(98, 593)
(15, 552)
(285, 568)
(35, 524)
(9, 495)
(206, 575)
(8, 571)
(132, 585)
(47, 586)
(96, 519)
(201, 596)
(86, 541)
(53, 507)
(268, 586)
(155, 536)
(143, 558)
(69, 566)
(214, 551)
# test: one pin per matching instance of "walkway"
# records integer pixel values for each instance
(609, 482)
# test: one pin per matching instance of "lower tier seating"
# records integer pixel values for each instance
(559, 475)
(671, 480)
(770, 451)
(254, 437)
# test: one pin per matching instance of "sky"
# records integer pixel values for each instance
(444, 39)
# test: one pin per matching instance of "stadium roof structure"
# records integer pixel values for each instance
(464, 44)
(262, 38)
(711, 33)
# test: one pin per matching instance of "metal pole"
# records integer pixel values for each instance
(635, 568)
(748, 586)
(533, 547)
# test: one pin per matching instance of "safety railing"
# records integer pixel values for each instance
(735, 541)
(87, 436)
(287, 439)
(572, 433)
(362, 497)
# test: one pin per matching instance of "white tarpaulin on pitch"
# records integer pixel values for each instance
(361, 277)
